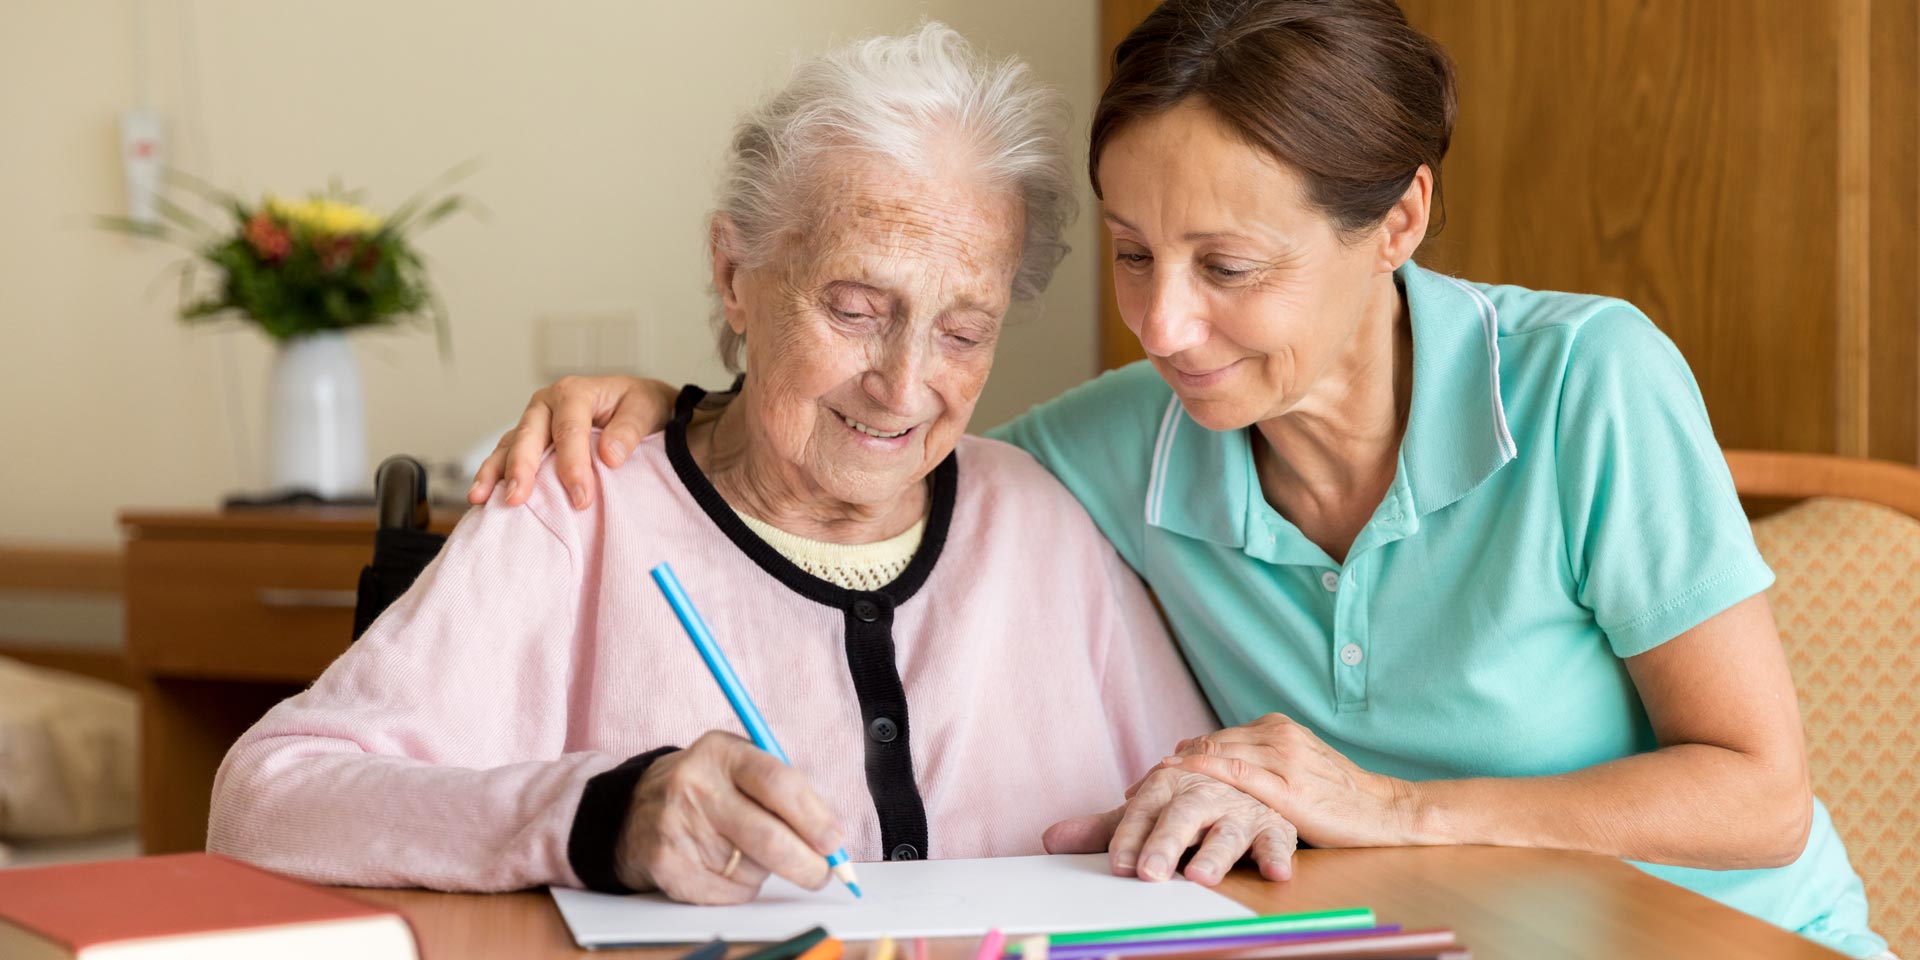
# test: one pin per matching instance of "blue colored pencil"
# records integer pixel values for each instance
(730, 685)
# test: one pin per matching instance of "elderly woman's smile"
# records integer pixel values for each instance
(887, 440)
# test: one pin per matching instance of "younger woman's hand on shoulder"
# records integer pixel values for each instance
(563, 416)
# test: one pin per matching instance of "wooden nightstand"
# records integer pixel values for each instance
(228, 613)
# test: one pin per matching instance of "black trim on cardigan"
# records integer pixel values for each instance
(941, 489)
(868, 634)
(593, 843)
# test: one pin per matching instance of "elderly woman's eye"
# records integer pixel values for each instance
(1227, 273)
(850, 314)
(1132, 259)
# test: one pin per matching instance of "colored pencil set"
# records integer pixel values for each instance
(1352, 934)
(1343, 934)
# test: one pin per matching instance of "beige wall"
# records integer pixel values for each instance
(599, 123)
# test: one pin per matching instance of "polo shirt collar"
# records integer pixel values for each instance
(1203, 485)
(1202, 481)
(1457, 433)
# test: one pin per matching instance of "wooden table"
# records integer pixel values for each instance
(228, 613)
(1503, 903)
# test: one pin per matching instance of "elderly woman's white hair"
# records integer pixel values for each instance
(899, 98)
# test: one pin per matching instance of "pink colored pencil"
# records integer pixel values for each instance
(991, 946)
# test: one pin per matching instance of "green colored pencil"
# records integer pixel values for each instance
(1357, 917)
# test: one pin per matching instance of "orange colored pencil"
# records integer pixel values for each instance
(828, 949)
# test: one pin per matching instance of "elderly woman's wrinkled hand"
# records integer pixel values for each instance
(563, 415)
(1332, 801)
(1169, 811)
(695, 807)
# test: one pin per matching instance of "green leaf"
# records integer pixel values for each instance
(204, 308)
(403, 214)
(439, 211)
(206, 191)
(180, 216)
(132, 227)
(188, 273)
(442, 330)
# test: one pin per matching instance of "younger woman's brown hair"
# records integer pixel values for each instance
(1345, 92)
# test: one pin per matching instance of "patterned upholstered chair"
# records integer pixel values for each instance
(1847, 598)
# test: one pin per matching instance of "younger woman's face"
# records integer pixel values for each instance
(1241, 290)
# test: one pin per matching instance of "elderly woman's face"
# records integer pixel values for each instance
(870, 338)
(1243, 293)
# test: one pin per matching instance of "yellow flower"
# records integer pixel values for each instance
(326, 217)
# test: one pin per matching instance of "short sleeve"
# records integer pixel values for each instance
(1098, 440)
(1656, 537)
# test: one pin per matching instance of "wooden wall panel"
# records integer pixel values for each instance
(1894, 208)
(1852, 329)
(1639, 150)
(1743, 170)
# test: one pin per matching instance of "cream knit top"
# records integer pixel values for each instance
(853, 566)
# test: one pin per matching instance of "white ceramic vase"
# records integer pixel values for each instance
(318, 417)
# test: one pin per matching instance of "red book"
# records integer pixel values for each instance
(197, 905)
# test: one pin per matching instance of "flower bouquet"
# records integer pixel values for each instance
(305, 272)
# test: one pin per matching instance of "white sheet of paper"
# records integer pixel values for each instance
(918, 898)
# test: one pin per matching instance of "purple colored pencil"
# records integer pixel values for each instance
(1155, 948)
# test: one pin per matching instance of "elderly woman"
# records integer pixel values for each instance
(924, 618)
(1461, 563)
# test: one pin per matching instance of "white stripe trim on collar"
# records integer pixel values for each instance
(1162, 452)
(1490, 326)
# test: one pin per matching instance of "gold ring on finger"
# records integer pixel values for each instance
(733, 863)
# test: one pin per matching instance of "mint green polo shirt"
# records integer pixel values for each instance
(1560, 504)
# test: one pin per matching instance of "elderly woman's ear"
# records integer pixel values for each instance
(723, 244)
